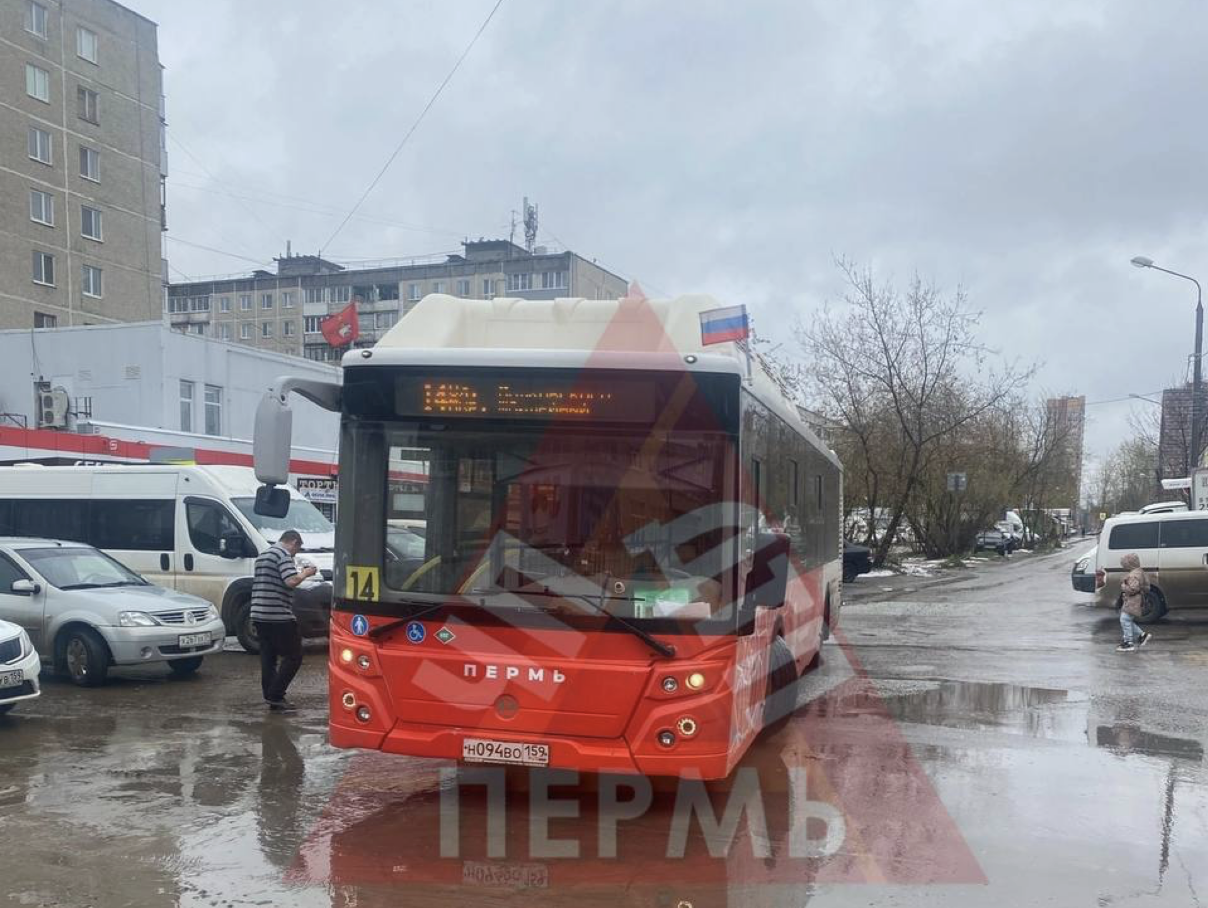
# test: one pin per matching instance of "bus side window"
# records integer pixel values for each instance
(7, 528)
(52, 518)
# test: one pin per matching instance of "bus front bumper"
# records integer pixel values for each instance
(585, 755)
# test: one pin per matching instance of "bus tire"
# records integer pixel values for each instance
(781, 697)
(245, 628)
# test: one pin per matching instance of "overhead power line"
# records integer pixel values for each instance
(234, 255)
(210, 174)
(414, 126)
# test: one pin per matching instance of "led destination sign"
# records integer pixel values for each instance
(526, 398)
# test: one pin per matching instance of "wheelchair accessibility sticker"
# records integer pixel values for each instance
(416, 632)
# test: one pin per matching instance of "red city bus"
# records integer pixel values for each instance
(624, 561)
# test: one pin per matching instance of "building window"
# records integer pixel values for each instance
(213, 403)
(245, 302)
(224, 304)
(554, 280)
(86, 44)
(287, 329)
(245, 331)
(198, 330)
(438, 286)
(340, 294)
(224, 332)
(310, 324)
(90, 223)
(287, 299)
(413, 292)
(385, 320)
(90, 164)
(520, 282)
(40, 148)
(89, 103)
(42, 320)
(42, 207)
(186, 406)
(488, 288)
(91, 282)
(314, 294)
(44, 268)
(178, 304)
(266, 329)
(37, 83)
(463, 288)
(266, 301)
(35, 18)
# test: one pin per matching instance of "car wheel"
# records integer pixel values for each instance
(184, 667)
(781, 697)
(1153, 608)
(245, 628)
(84, 657)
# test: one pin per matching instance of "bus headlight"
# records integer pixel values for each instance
(670, 685)
(349, 699)
(363, 662)
(696, 680)
(686, 726)
(666, 737)
(345, 655)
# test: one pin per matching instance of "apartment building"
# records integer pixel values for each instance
(82, 164)
(282, 311)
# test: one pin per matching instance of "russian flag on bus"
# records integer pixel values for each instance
(720, 325)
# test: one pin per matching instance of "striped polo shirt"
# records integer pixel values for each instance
(272, 600)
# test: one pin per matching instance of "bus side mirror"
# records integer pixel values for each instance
(271, 501)
(768, 579)
(271, 441)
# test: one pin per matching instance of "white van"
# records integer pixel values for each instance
(1173, 548)
(189, 528)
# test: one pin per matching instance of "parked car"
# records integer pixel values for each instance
(1173, 548)
(1082, 576)
(86, 612)
(857, 559)
(1014, 537)
(19, 667)
(991, 541)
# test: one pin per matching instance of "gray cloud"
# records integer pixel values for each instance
(1025, 150)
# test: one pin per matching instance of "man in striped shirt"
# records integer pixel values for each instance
(273, 584)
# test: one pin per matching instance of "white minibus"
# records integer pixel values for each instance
(191, 528)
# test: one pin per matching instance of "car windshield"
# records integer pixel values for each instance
(627, 520)
(77, 568)
(302, 516)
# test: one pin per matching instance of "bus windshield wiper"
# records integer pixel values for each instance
(658, 646)
(389, 626)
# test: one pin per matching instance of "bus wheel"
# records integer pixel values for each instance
(781, 697)
(245, 628)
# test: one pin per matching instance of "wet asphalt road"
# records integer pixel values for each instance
(973, 741)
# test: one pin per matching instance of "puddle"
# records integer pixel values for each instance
(1034, 711)
(1131, 739)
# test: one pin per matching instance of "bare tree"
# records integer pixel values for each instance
(903, 371)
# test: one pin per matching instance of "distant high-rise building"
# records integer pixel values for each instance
(1174, 433)
(283, 311)
(82, 200)
(1067, 422)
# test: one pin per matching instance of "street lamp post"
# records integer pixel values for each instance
(1197, 367)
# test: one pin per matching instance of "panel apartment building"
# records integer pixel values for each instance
(281, 312)
(82, 164)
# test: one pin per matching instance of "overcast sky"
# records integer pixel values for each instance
(1023, 149)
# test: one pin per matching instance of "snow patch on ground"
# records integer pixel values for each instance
(880, 573)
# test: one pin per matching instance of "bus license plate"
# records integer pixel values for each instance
(193, 640)
(480, 750)
(12, 679)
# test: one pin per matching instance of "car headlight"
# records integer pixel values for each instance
(212, 614)
(135, 619)
(27, 645)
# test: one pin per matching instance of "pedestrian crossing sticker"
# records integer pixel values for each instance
(361, 583)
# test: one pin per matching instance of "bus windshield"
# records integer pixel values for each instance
(631, 521)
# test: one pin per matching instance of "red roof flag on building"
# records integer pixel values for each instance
(341, 329)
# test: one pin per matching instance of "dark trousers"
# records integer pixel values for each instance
(278, 640)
